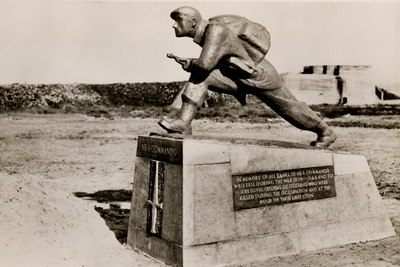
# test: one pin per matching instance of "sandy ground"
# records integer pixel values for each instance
(43, 160)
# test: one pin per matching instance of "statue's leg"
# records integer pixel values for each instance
(193, 97)
(299, 114)
(217, 82)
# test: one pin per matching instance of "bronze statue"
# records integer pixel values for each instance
(232, 62)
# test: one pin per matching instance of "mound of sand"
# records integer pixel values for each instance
(41, 225)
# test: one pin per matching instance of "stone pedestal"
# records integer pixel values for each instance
(204, 201)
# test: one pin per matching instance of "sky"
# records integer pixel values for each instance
(127, 41)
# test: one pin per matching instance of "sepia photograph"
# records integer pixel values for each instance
(199, 133)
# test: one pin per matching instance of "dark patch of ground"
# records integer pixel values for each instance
(389, 189)
(116, 219)
(107, 196)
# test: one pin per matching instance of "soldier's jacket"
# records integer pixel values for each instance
(236, 58)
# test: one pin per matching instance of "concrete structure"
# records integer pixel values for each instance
(204, 201)
(333, 84)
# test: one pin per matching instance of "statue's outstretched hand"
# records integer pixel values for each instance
(185, 62)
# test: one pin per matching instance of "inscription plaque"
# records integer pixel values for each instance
(262, 189)
(160, 149)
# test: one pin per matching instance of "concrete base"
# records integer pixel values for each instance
(206, 219)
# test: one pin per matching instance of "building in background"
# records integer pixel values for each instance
(334, 84)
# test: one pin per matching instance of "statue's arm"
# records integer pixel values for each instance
(215, 40)
(211, 54)
(184, 62)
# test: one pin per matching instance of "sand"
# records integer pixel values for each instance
(43, 161)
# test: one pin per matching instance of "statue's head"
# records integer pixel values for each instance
(187, 20)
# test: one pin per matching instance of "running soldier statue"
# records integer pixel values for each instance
(232, 62)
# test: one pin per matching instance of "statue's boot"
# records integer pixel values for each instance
(182, 124)
(325, 136)
(193, 97)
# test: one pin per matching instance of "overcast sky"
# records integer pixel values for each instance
(110, 41)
